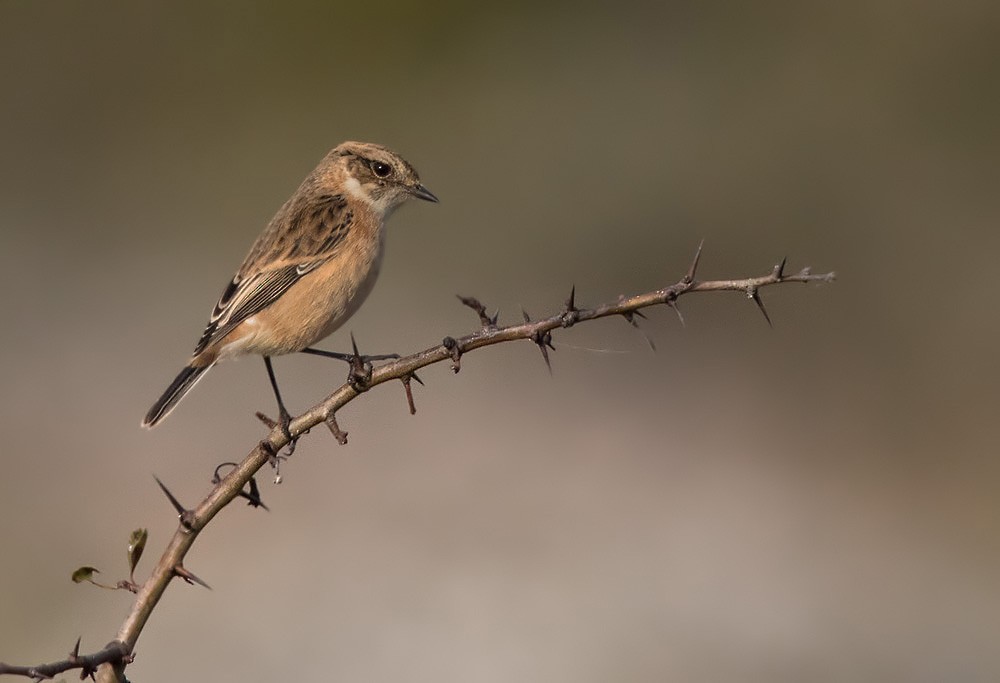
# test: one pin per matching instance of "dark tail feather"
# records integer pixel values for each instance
(172, 396)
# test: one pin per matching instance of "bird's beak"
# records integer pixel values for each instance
(421, 192)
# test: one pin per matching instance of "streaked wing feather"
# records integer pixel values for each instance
(321, 226)
(252, 298)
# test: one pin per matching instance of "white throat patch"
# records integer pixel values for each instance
(380, 206)
(353, 188)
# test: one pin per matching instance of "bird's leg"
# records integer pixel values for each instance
(361, 366)
(284, 419)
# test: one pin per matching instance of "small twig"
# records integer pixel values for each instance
(114, 653)
(338, 434)
(409, 392)
(485, 320)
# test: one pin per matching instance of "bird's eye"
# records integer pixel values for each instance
(380, 169)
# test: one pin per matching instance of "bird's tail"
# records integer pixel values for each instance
(187, 378)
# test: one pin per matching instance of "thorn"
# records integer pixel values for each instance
(543, 340)
(570, 314)
(630, 317)
(672, 302)
(338, 433)
(417, 378)
(689, 277)
(184, 514)
(253, 495)
(779, 270)
(75, 652)
(180, 571)
(354, 345)
(456, 353)
(271, 424)
(755, 295)
(409, 393)
(545, 355)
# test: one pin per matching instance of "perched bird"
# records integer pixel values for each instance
(310, 269)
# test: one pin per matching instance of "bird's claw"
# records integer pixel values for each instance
(284, 422)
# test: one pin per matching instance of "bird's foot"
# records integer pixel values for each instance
(360, 373)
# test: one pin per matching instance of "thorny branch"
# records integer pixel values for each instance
(109, 663)
(115, 653)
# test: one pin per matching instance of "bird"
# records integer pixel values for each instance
(309, 270)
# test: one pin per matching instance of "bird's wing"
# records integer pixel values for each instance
(297, 241)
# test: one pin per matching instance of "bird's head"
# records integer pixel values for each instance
(377, 175)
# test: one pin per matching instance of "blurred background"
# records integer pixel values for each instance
(813, 502)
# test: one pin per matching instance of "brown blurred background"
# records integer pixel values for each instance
(817, 502)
